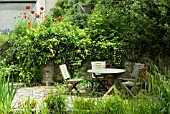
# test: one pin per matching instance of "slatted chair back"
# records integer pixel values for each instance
(98, 65)
(64, 72)
(71, 83)
(143, 76)
(136, 69)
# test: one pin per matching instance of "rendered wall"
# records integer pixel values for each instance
(11, 9)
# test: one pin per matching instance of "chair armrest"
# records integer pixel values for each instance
(127, 79)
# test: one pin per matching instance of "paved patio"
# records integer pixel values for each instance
(37, 92)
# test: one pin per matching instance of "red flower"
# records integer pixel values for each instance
(25, 16)
(24, 13)
(41, 13)
(41, 8)
(59, 17)
(37, 16)
(28, 17)
(45, 18)
(32, 11)
(29, 24)
(28, 7)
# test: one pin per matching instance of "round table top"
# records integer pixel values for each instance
(107, 71)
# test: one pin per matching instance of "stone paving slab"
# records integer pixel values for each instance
(32, 93)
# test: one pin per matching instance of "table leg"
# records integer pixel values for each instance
(100, 83)
(113, 86)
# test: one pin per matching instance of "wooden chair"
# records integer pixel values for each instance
(137, 78)
(71, 83)
(99, 79)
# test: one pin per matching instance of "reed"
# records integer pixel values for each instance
(7, 92)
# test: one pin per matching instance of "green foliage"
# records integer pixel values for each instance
(3, 38)
(160, 88)
(113, 104)
(27, 105)
(62, 7)
(149, 27)
(6, 96)
(83, 104)
(56, 101)
(50, 40)
(105, 29)
(4, 43)
(79, 20)
(131, 27)
(104, 32)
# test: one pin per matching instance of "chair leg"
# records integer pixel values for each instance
(92, 83)
(70, 89)
(74, 86)
(127, 89)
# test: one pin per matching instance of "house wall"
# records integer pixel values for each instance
(10, 10)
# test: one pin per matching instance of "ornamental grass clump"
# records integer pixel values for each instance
(7, 92)
(159, 89)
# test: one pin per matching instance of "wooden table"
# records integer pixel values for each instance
(107, 71)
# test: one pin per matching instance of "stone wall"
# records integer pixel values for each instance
(50, 73)
(47, 72)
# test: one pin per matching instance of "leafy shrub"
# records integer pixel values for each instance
(105, 30)
(149, 28)
(50, 40)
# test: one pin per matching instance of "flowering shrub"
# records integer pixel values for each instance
(35, 44)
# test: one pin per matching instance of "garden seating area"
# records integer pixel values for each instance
(111, 59)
